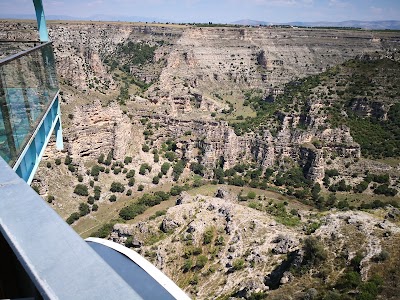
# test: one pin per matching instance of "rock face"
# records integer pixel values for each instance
(257, 254)
(98, 130)
(217, 141)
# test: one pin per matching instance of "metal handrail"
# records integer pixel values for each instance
(22, 53)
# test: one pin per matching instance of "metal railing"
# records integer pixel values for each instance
(28, 86)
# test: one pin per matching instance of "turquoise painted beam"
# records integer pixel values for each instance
(41, 21)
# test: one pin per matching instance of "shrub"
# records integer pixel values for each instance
(194, 280)
(131, 211)
(95, 207)
(176, 190)
(100, 160)
(117, 170)
(117, 187)
(50, 198)
(80, 178)
(90, 200)
(197, 168)
(171, 156)
(145, 148)
(165, 167)
(382, 256)
(113, 198)
(129, 192)
(57, 161)
(81, 190)
(238, 264)
(156, 180)
(349, 280)
(156, 157)
(314, 252)
(71, 168)
(127, 160)
(208, 236)
(187, 265)
(251, 195)
(384, 189)
(84, 209)
(68, 160)
(361, 187)
(130, 174)
(48, 165)
(177, 169)
(201, 261)
(332, 173)
(143, 168)
(96, 169)
(140, 187)
(131, 181)
(103, 231)
(97, 191)
(72, 218)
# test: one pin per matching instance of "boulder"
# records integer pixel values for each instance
(284, 244)
(168, 225)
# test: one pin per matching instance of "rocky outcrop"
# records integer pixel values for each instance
(98, 130)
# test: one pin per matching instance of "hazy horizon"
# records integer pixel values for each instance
(223, 11)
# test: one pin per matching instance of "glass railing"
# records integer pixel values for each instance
(28, 85)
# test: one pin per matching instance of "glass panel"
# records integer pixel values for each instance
(28, 85)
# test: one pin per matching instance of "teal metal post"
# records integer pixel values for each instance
(58, 128)
(41, 21)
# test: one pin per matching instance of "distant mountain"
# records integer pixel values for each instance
(248, 22)
(90, 18)
(388, 24)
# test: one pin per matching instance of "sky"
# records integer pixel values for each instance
(218, 11)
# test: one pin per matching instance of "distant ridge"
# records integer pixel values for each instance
(90, 18)
(376, 25)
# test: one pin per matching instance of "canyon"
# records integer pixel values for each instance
(262, 132)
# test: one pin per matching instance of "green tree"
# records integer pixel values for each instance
(156, 180)
(128, 160)
(84, 209)
(143, 168)
(81, 190)
(117, 187)
(73, 217)
(165, 167)
(68, 160)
